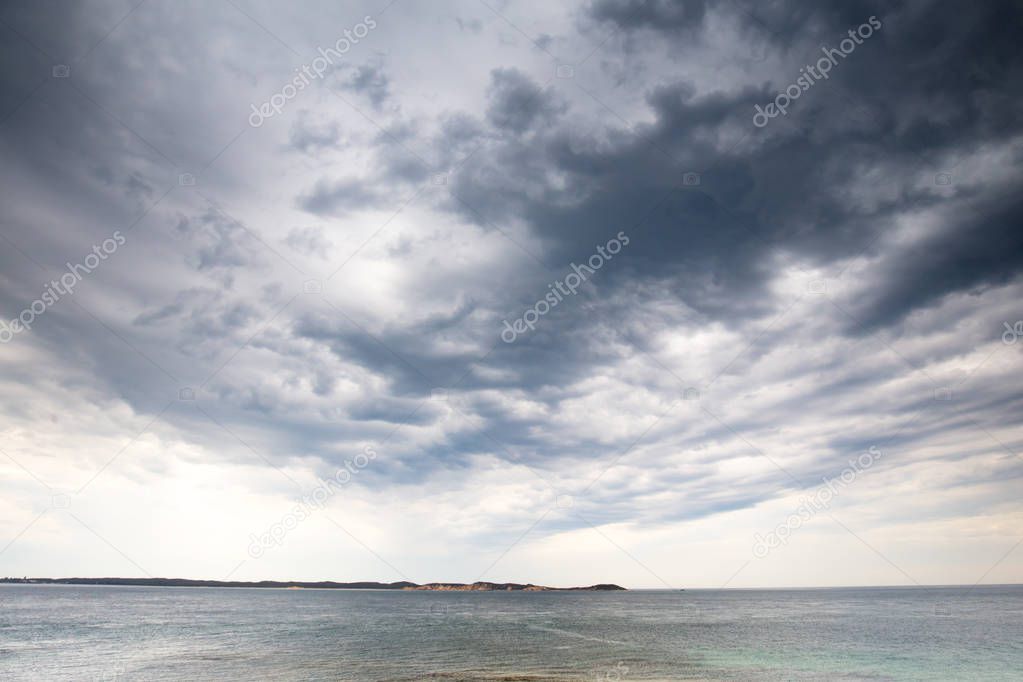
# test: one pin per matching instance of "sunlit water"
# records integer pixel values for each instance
(131, 633)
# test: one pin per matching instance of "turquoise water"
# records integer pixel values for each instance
(137, 633)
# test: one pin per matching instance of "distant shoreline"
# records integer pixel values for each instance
(321, 585)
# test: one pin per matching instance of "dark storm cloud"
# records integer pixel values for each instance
(659, 15)
(780, 189)
(408, 355)
(517, 103)
(759, 194)
(983, 246)
(636, 184)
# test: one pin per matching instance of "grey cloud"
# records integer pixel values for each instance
(222, 243)
(952, 260)
(338, 198)
(312, 136)
(780, 190)
(370, 81)
(660, 15)
(310, 240)
(471, 25)
(517, 103)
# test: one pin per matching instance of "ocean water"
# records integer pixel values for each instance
(141, 633)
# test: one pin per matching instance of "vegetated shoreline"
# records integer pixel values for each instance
(322, 585)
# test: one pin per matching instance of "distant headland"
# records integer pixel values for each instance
(508, 587)
(321, 585)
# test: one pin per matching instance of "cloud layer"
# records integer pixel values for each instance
(844, 277)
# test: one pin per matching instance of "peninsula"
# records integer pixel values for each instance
(508, 587)
(322, 585)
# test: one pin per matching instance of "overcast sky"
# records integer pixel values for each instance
(535, 277)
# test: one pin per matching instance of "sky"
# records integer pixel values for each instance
(663, 294)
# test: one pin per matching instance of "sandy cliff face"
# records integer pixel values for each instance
(474, 587)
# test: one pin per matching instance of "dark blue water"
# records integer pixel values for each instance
(126, 633)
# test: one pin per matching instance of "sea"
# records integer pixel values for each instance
(58, 632)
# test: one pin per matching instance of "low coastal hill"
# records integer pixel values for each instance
(490, 587)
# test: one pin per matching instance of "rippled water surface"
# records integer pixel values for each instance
(133, 633)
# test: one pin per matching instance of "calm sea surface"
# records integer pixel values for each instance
(137, 633)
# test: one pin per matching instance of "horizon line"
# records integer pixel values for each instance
(13, 580)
